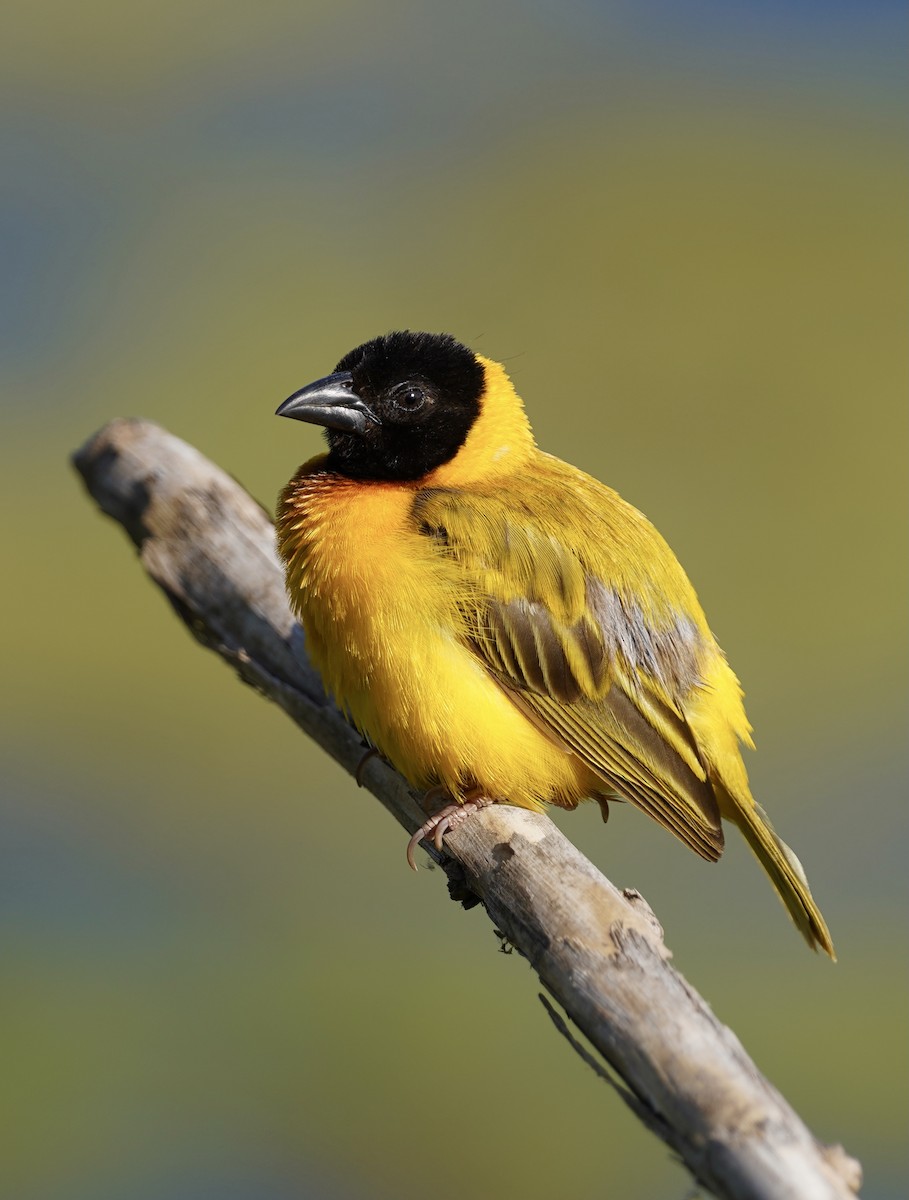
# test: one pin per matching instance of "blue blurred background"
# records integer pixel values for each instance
(682, 226)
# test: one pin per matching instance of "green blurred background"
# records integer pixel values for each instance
(681, 226)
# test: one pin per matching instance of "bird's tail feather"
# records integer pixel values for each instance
(786, 874)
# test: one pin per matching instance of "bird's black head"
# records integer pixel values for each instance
(396, 407)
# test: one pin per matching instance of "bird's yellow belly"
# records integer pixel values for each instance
(453, 725)
(379, 607)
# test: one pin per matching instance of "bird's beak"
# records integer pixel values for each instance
(331, 402)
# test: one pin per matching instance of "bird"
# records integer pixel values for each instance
(501, 626)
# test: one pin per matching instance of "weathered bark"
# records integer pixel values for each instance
(597, 951)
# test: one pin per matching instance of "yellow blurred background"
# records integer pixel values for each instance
(681, 226)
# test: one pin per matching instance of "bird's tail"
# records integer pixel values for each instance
(787, 875)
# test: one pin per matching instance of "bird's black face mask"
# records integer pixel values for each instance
(396, 407)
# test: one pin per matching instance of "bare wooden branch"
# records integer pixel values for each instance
(598, 952)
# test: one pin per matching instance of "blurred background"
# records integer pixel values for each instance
(681, 225)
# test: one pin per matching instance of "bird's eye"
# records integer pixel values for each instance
(410, 397)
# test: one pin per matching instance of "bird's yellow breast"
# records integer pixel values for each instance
(380, 610)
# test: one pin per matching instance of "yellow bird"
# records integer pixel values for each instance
(500, 625)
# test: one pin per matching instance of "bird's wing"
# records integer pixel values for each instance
(584, 644)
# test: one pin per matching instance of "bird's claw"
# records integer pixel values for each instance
(444, 821)
(372, 752)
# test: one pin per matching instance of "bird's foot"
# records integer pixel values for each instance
(372, 752)
(433, 796)
(445, 821)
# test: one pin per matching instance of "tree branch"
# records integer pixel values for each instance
(597, 951)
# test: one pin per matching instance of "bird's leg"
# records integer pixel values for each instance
(446, 820)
